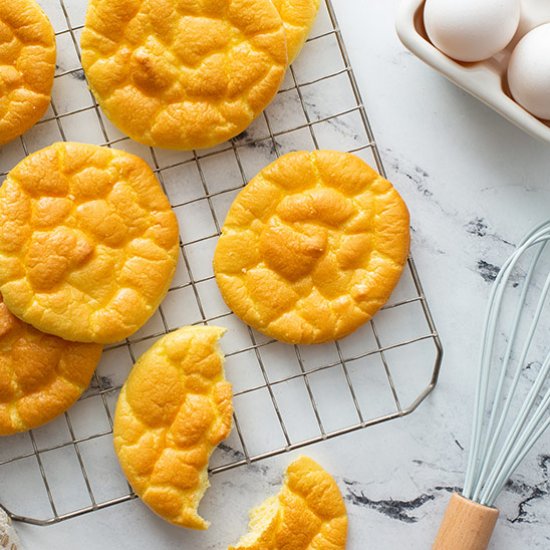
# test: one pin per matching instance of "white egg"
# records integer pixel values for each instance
(471, 30)
(529, 72)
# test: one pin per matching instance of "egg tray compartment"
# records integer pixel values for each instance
(485, 80)
(383, 371)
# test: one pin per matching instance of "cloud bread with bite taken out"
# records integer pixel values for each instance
(41, 375)
(307, 514)
(183, 74)
(174, 409)
(88, 242)
(27, 66)
(298, 17)
(312, 247)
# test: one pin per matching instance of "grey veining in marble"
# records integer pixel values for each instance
(474, 185)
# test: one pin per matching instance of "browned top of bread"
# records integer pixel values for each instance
(312, 247)
(183, 74)
(307, 514)
(298, 17)
(174, 409)
(41, 375)
(88, 242)
(27, 66)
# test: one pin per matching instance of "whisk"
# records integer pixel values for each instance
(509, 417)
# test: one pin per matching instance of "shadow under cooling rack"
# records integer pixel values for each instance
(285, 397)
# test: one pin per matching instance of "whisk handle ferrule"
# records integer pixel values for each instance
(466, 525)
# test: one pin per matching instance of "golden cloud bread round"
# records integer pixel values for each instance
(41, 375)
(88, 242)
(298, 17)
(307, 514)
(27, 66)
(174, 409)
(183, 74)
(312, 247)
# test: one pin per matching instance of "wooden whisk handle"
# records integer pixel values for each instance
(467, 525)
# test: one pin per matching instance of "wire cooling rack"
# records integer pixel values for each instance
(285, 397)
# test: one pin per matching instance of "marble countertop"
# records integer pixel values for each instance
(474, 185)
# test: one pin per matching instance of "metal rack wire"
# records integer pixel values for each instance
(383, 371)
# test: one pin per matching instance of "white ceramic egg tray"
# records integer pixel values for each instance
(485, 80)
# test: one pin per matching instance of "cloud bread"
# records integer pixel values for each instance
(298, 17)
(41, 375)
(312, 247)
(175, 407)
(88, 242)
(183, 74)
(307, 514)
(27, 66)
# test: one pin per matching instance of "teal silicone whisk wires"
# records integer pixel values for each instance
(512, 403)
